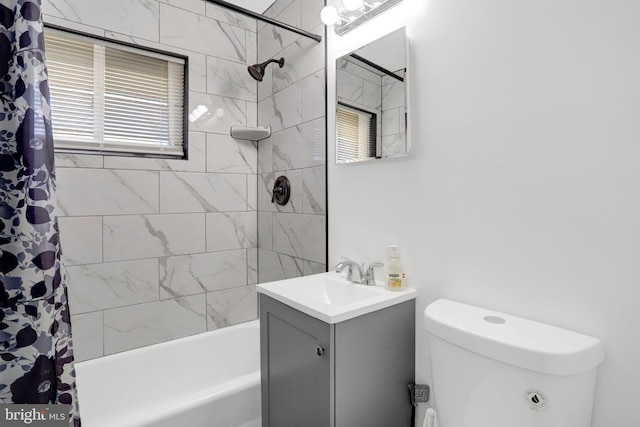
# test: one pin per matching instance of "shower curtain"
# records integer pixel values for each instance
(36, 357)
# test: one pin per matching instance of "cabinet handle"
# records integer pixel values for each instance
(319, 351)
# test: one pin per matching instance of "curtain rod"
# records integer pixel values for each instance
(376, 66)
(266, 19)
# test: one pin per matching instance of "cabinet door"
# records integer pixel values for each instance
(374, 364)
(295, 360)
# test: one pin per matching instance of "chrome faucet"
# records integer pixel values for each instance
(367, 278)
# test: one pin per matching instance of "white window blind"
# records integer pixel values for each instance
(113, 98)
(355, 134)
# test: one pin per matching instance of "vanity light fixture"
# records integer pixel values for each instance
(353, 13)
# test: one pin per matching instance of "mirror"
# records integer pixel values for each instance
(372, 99)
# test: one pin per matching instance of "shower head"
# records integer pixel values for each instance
(257, 70)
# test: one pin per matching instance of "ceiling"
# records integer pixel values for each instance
(258, 6)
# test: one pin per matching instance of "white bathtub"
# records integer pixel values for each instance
(206, 380)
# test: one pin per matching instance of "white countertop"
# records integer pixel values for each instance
(331, 298)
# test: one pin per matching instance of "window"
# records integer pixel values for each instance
(112, 98)
(356, 133)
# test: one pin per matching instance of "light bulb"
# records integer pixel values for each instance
(329, 15)
(353, 4)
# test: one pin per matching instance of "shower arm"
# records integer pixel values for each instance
(266, 19)
(277, 61)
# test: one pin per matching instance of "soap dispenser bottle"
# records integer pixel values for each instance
(396, 278)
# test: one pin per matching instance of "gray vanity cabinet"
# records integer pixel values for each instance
(349, 374)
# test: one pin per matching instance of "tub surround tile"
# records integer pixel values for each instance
(88, 336)
(231, 306)
(209, 36)
(304, 57)
(393, 96)
(106, 192)
(94, 287)
(230, 79)
(265, 188)
(197, 72)
(278, 6)
(130, 237)
(265, 155)
(277, 39)
(252, 54)
(252, 114)
(314, 268)
(220, 113)
(387, 80)
(228, 155)
(356, 70)
(314, 191)
(198, 192)
(232, 18)
(68, 160)
(51, 16)
(81, 239)
(144, 324)
(265, 230)
(301, 236)
(195, 6)
(195, 163)
(169, 252)
(252, 192)
(394, 145)
(252, 266)
(372, 96)
(288, 153)
(261, 24)
(349, 87)
(313, 93)
(200, 273)
(276, 266)
(390, 122)
(136, 17)
(288, 99)
(310, 16)
(231, 230)
(283, 109)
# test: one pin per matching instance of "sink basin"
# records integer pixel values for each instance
(329, 291)
(331, 298)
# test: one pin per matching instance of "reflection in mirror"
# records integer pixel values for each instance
(371, 110)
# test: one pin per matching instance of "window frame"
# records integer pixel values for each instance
(374, 144)
(141, 49)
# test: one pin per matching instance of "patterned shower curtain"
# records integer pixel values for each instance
(36, 358)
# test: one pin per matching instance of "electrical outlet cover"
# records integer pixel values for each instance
(421, 393)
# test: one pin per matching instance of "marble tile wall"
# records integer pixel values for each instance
(382, 95)
(292, 238)
(393, 116)
(161, 249)
(361, 88)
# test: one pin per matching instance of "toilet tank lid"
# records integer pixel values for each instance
(510, 339)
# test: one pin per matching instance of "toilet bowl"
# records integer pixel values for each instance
(491, 369)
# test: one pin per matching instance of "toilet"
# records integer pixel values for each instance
(491, 369)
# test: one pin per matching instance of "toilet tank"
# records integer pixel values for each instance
(491, 369)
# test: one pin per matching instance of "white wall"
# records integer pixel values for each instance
(521, 191)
